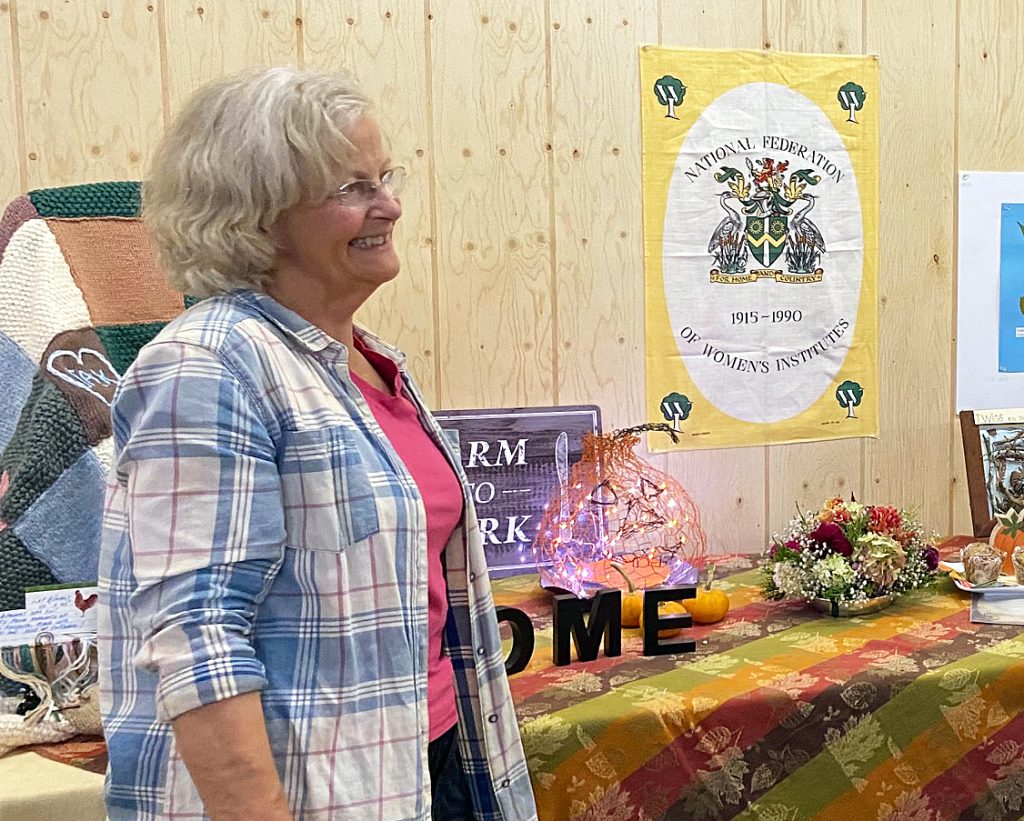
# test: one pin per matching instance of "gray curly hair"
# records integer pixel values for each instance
(240, 152)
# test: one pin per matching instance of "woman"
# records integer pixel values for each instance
(297, 618)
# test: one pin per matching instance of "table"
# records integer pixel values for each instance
(34, 787)
(782, 713)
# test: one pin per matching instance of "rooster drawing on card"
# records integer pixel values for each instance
(83, 603)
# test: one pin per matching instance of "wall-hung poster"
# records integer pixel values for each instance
(760, 242)
(1011, 288)
(990, 291)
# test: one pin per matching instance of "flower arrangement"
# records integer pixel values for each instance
(849, 552)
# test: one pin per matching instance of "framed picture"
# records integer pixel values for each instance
(994, 456)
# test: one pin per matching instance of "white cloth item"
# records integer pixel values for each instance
(15, 731)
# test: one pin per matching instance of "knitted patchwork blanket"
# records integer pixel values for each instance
(80, 293)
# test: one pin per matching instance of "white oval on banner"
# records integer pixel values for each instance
(763, 297)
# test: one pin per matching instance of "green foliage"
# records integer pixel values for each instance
(785, 554)
(857, 526)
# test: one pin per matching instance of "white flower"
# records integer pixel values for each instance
(833, 572)
(789, 579)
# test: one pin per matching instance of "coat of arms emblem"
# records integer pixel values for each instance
(767, 217)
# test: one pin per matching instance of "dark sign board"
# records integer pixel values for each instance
(515, 459)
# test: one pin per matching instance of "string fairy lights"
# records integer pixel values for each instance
(617, 507)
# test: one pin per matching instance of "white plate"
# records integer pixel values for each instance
(1004, 586)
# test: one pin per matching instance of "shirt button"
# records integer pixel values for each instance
(480, 651)
(505, 783)
(472, 577)
(493, 717)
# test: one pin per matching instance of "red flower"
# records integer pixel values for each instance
(792, 544)
(831, 535)
(931, 558)
(884, 519)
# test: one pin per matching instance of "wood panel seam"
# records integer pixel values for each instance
(165, 69)
(954, 267)
(19, 98)
(552, 238)
(435, 298)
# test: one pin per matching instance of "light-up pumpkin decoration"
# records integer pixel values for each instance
(616, 507)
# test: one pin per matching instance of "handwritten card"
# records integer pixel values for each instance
(63, 611)
(16, 628)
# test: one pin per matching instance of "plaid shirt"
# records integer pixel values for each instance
(260, 533)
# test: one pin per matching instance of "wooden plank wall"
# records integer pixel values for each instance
(521, 239)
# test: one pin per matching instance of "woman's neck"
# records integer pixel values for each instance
(333, 315)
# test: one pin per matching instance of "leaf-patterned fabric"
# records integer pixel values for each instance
(782, 713)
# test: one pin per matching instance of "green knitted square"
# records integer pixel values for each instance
(124, 341)
(97, 199)
(48, 439)
(21, 570)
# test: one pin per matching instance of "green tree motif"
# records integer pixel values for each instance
(670, 92)
(851, 97)
(848, 395)
(675, 407)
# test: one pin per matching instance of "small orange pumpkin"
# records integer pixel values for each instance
(667, 608)
(710, 605)
(1007, 534)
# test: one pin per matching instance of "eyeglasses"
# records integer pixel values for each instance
(361, 193)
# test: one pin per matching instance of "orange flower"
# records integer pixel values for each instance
(904, 537)
(884, 519)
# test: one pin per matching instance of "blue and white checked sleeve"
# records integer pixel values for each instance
(206, 521)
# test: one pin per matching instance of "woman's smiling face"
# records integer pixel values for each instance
(346, 247)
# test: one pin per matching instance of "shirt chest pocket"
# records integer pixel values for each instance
(328, 499)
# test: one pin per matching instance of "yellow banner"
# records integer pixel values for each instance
(760, 245)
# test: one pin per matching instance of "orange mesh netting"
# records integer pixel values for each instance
(617, 507)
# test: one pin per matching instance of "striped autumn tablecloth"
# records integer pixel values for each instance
(781, 714)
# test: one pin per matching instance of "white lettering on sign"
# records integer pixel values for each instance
(483, 492)
(513, 531)
(506, 454)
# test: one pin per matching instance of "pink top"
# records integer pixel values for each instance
(442, 498)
